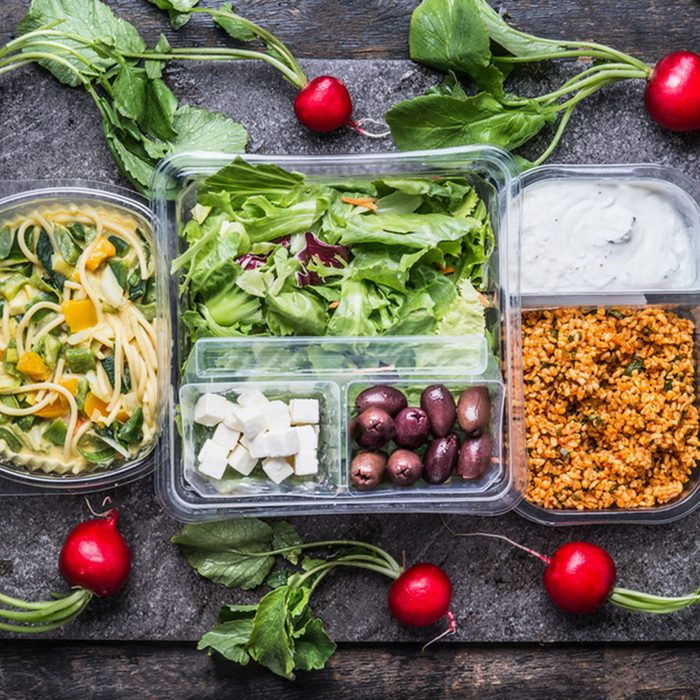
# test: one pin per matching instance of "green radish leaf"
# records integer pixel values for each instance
(513, 41)
(229, 640)
(270, 642)
(233, 26)
(314, 647)
(129, 92)
(434, 121)
(285, 535)
(229, 552)
(277, 579)
(201, 130)
(154, 67)
(451, 35)
(237, 612)
(159, 110)
(91, 19)
(178, 10)
(449, 87)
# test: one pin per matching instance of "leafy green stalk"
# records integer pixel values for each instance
(44, 616)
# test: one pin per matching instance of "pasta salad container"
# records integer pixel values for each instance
(667, 386)
(83, 253)
(221, 386)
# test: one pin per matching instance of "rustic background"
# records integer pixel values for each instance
(49, 131)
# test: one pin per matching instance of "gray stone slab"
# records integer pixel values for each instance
(47, 131)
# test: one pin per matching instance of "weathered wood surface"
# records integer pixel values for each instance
(379, 28)
(163, 671)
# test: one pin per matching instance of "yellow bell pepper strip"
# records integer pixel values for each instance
(31, 365)
(102, 250)
(93, 404)
(60, 406)
(79, 314)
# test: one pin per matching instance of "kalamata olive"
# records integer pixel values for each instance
(374, 428)
(412, 427)
(385, 397)
(367, 469)
(439, 404)
(474, 410)
(440, 458)
(404, 467)
(474, 457)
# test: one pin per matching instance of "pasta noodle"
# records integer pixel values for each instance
(78, 377)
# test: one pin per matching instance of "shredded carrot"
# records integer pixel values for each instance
(366, 202)
(447, 270)
(334, 305)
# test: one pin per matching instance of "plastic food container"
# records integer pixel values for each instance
(280, 367)
(684, 194)
(19, 196)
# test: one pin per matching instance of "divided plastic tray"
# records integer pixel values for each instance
(340, 362)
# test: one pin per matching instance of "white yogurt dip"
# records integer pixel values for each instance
(588, 235)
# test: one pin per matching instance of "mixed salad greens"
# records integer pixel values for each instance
(270, 252)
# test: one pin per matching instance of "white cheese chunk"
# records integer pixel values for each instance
(231, 421)
(211, 409)
(251, 420)
(283, 443)
(277, 413)
(245, 442)
(212, 459)
(253, 397)
(308, 437)
(225, 436)
(304, 411)
(306, 462)
(277, 469)
(258, 447)
(241, 460)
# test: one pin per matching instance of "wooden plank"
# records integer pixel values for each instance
(379, 28)
(39, 669)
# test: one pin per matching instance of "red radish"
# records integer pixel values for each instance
(421, 595)
(672, 95)
(580, 577)
(95, 556)
(323, 104)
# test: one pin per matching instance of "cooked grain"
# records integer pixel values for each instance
(609, 406)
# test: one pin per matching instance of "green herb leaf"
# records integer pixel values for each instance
(434, 121)
(314, 647)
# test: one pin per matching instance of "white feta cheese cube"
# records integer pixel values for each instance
(225, 436)
(211, 409)
(258, 446)
(277, 469)
(212, 459)
(278, 418)
(307, 436)
(231, 421)
(253, 397)
(282, 444)
(245, 442)
(251, 420)
(241, 460)
(303, 411)
(306, 462)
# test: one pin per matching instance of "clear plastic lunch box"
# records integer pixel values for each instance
(492, 172)
(684, 195)
(18, 196)
(341, 365)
